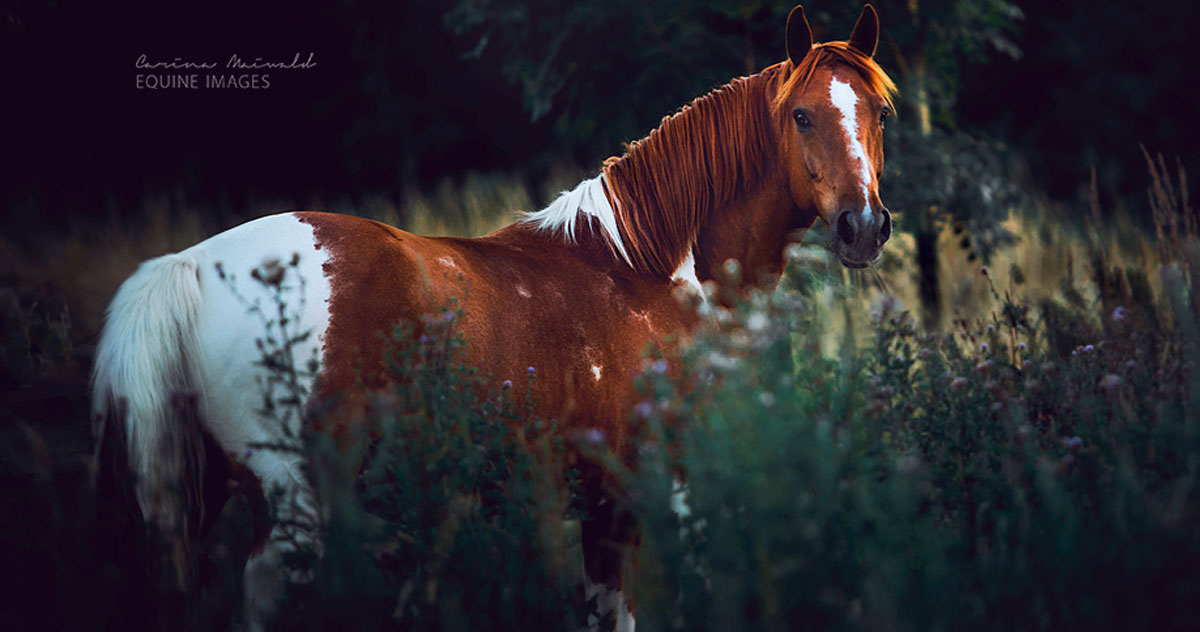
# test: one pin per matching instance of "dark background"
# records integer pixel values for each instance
(397, 99)
(1025, 98)
(388, 104)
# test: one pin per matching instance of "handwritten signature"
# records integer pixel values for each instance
(143, 62)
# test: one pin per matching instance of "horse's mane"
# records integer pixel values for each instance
(666, 185)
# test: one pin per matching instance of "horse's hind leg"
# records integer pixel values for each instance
(218, 472)
(608, 538)
(288, 535)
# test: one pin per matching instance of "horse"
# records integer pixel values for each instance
(577, 290)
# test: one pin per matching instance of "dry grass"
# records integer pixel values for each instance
(1050, 251)
(89, 260)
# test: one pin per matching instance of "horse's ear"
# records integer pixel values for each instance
(799, 35)
(865, 36)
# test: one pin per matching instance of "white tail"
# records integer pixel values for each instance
(145, 379)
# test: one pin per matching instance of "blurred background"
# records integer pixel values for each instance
(449, 116)
(1022, 144)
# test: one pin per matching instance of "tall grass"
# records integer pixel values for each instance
(1031, 467)
(86, 261)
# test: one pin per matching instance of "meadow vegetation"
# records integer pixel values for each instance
(1031, 464)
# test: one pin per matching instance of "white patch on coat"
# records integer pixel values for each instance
(846, 101)
(587, 198)
(596, 371)
(686, 272)
(184, 323)
(448, 262)
(523, 292)
(608, 600)
(679, 494)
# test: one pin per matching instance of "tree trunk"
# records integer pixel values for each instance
(925, 232)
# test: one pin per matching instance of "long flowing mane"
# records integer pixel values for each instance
(666, 185)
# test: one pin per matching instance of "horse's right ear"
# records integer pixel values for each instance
(799, 35)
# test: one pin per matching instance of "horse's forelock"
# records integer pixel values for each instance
(796, 77)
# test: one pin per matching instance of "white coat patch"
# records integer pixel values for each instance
(686, 272)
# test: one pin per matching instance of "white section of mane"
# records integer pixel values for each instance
(587, 198)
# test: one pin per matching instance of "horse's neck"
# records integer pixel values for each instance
(752, 229)
(699, 160)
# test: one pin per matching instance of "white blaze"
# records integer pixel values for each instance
(846, 101)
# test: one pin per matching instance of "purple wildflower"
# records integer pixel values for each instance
(1118, 314)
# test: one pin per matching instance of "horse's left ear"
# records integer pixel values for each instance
(865, 36)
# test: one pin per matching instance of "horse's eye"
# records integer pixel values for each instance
(883, 116)
(801, 119)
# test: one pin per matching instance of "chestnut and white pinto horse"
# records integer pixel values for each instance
(578, 290)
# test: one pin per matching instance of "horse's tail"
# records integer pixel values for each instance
(145, 399)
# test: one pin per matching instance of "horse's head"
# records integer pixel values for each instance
(832, 103)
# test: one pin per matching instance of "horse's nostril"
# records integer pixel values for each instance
(844, 230)
(885, 230)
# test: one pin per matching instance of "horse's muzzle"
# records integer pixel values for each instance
(858, 237)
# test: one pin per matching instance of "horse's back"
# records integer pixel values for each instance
(528, 300)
